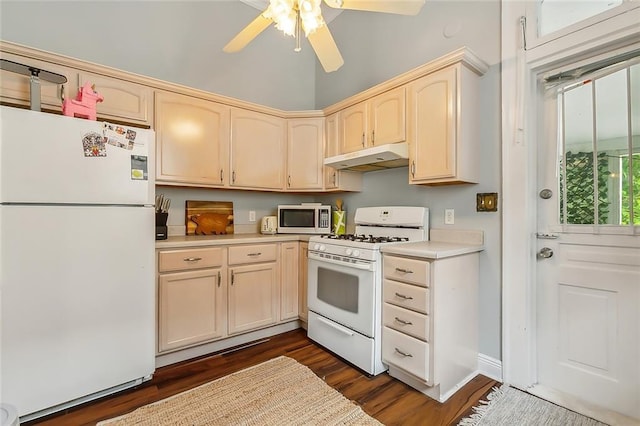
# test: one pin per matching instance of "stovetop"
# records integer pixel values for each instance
(361, 238)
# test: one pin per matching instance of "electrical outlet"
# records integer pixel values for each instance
(252, 216)
(449, 216)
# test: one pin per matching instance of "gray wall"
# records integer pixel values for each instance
(182, 42)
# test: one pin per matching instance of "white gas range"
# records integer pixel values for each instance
(345, 282)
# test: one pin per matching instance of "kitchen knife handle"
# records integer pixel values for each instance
(402, 296)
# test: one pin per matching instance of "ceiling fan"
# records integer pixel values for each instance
(294, 16)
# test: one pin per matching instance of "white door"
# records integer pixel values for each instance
(588, 269)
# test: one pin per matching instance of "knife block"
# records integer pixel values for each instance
(161, 226)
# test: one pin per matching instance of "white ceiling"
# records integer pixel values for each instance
(328, 13)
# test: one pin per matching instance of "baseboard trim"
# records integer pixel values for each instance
(490, 367)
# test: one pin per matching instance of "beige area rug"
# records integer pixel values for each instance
(279, 392)
(510, 406)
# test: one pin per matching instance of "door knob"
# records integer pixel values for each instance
(545, 253)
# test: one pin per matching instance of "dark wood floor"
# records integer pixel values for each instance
(383, 397)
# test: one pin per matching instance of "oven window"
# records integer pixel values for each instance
(297, 218)
(338, 289)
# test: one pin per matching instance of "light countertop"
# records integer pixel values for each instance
(181, 241)
(431, 249)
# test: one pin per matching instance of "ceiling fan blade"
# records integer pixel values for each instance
(249, 32)
(326, 50)
(401, 7)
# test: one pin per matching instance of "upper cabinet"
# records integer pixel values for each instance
(443, 127)
(192, 139)
(258, 150)
(376, 121)
(123, 100)
(337, 180)
(305, 153)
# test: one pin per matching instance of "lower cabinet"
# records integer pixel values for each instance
(302, 281)
(191, 297)
(253, 302)
(217, 292)
(430, 321)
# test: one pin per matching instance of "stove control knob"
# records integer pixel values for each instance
(322, 247)
(356, 253)
(348, 251)
(316, 246)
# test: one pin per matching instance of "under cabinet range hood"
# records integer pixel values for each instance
(375, 158)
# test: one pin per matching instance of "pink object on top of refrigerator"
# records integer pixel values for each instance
(77, 268)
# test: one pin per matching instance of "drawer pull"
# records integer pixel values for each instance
(404, 271)
(403, 322)
(254, 254)
(218, 278)
(402, 296)
(192, 259)
(403, 353)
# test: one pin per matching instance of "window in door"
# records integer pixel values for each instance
(599, 148)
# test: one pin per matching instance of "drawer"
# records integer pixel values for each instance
(406, 321)
(405, 352)
(180, 260)
(406, 295)
(406, 270)
(252, 254)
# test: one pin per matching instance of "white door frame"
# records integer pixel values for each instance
(519, 173)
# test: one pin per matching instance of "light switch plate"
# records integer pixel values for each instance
(252, 216)
(487, 202)
(449, 216)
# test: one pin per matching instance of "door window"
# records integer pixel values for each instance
(599, 148)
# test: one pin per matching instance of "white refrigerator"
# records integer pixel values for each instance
(77, 264)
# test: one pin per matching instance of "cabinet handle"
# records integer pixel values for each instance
(373, 137)
(233, 177)
(233, 278)
(221, 176)
(413, 168)
(403, 322)
(404, 271)
(289, 181)
(403, 353)
(402, 296)
(363, 139)
(254, 254)
(218, 278)
(334, 178)
(192, 259)
(62, 92)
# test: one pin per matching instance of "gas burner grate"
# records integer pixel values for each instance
(361, 238)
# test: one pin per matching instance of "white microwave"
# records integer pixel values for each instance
(312, 218)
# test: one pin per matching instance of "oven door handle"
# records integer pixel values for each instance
(335, 326)
(363, 266)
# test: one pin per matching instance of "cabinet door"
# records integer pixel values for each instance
(353, 127)
(432, 128)
(258, 150)
(388, 117)
(289, 281)
(123, 100)
(337, 180)
(192, 137)
(253, 297)
(303, 270)
(191, 308)
(305, 150)
(16, 88)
